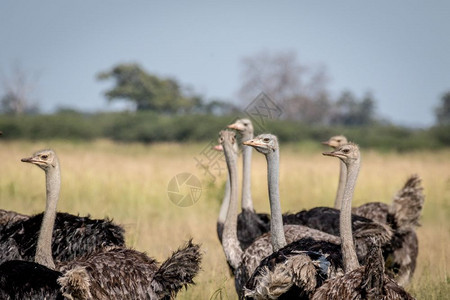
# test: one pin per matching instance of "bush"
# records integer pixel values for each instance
(148, 127)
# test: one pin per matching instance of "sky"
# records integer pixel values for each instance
(397, 50)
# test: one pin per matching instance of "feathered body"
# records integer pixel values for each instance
(8, 218)
(251, 225)
(349, 287)
(295, 271)
(326, 219)
(403, 217)
(73, 236)
(113, 273)
(262, 246)
(366, 282)
(120, 273)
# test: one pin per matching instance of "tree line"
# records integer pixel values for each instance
(149, 127)
(164, 109)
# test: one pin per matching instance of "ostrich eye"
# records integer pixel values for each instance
(338, 141)
(266, 140)
(44, 156)
(346, 151)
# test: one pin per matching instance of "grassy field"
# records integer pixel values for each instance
(128, 182)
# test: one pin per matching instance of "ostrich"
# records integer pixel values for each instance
(402, 215)
(250, 224)
(114, 272)
(73, 236)
(244, 262)
(369, 281)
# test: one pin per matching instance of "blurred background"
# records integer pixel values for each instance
(146, 71)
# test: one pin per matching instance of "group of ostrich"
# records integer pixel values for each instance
(365, 252)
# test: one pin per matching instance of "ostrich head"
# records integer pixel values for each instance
(44, 159)
(264, 143)
(226, 136)
(243, 126)
(219, 147)
(336, 141)
(347, 153)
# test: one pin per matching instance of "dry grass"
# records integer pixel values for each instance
(129, 183)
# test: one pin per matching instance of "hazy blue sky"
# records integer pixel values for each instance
(398, 50)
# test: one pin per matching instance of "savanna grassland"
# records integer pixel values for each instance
(128, 182)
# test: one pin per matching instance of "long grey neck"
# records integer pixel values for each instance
(341, 185)
(224, 208)
(345, 225)
(230, 242)
(276, 224)
(247, 202)
(44, 244)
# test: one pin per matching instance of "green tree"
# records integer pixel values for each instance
(147, 91)
(443, 111)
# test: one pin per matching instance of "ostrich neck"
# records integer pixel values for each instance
(276, 224)
(341, 185)
(230, 242)
(44, 244)
(247, 202)
(225, 203)
(348, 248)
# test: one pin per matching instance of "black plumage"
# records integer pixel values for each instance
(251, 225)
(73, 236)
(326, 219)
(23, 280)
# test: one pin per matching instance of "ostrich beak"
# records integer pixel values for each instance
(253, 142)
(218, 147)
(337, 154)
(326, 143)
(27, 159)
(236, 126)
